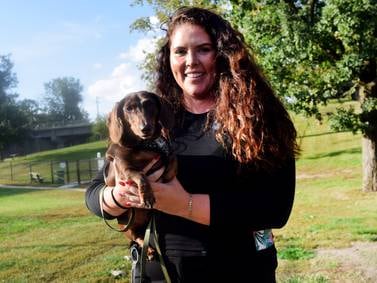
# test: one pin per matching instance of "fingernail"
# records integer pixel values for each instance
(122, 183)
(156, 158)
(129, 182)
(128, 204)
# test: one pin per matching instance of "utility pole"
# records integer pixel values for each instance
(97, 103)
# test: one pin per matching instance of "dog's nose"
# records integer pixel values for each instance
(147, 129)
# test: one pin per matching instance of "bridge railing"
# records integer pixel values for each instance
(61, 124)
(54, 173)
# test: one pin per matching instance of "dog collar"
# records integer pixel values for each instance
(160, 145)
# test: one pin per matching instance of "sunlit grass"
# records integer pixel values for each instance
(330, 210)
(50, 235)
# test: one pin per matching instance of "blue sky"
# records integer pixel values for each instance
(87, 39)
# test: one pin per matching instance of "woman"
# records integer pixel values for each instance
(236, 147)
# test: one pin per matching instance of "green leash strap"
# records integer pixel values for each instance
(151, 228)
(131, 212)
(143, 256)
(162, 262)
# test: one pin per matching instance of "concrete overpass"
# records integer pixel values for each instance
(60, 136)
(51, 137)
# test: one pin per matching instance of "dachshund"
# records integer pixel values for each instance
(139, 127)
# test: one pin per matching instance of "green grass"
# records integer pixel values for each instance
(49, 235)
(83, 151)
(16, 170)
(330, 210)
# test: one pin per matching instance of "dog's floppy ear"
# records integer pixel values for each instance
(115, 124)
(166, 114)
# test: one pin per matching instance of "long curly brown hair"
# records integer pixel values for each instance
(253, 123)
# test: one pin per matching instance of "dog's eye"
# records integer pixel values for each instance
(128, 108)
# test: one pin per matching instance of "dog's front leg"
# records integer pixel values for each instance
(144, 188)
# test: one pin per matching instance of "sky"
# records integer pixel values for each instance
(86, 39)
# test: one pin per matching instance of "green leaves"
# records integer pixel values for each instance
(315, 51)
(345, 120)
(13, 121)
(62, 97)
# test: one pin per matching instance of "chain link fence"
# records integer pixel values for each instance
(50, 173)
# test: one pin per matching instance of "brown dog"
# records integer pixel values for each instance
(138, 131)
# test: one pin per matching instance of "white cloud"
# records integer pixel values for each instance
(137, 52)
(124, 78)
(154, 21)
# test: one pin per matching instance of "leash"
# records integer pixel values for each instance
(131, 214)
(151, 230)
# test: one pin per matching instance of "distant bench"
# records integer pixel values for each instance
(34, 176)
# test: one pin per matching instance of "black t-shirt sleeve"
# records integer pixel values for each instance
(92, 194)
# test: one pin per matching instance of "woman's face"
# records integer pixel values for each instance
(192, 60)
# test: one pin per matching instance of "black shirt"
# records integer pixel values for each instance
(240, 203)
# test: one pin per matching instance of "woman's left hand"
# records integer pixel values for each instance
(171, 197)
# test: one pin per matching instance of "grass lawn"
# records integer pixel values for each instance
(49, 235)
(330, 211)
(16, 171)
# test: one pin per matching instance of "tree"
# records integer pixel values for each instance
(62, 98)
(99, 129)
(30, 108)
(13, 123)
(8, 79)
(315, 51)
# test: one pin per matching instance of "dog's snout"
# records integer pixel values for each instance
(147, 129)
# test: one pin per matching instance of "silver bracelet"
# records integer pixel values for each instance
(190, 206)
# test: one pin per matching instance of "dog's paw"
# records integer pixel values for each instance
(146, 194)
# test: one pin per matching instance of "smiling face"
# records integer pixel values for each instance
(192, 61)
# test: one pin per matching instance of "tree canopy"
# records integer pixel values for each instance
(13, 122)
(314, 51)
(63, 98)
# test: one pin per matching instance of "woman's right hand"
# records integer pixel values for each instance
(115, 202)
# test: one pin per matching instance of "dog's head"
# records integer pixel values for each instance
(139, 116)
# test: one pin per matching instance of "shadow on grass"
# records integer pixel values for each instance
(83, 154)
(355, 150)
(322, 134)
(7, 192)
(61, 246)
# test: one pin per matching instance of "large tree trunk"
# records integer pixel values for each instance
(368, 90)
(369, 149)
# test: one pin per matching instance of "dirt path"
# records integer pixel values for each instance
(355, 264)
